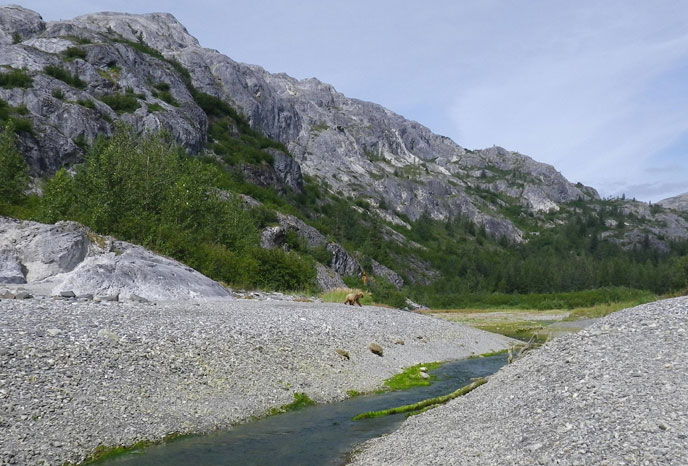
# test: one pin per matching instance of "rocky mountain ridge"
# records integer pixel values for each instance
(679, 202)
(87, 73)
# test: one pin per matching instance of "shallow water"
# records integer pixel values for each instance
(316, 435)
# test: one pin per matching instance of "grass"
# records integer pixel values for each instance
(63, 75)
(301, 400)
(102, 452)
(422, 405)
(524, 324)
(15, 78)
(411, 377)
(338, 295)
(121, 103)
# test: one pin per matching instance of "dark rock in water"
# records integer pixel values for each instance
(87, 296)
(375, 349)
(343, 353)
(67, 294)
(23, 295)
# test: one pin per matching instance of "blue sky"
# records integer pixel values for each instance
(597, 89)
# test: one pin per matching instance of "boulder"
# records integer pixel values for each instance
(342, 262)
(11, 269)
(70, 260)
(375, 349)
(327, 279)
(380, 270)
(272, 237)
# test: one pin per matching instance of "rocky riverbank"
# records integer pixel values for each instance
(78, 374)
(614, 393)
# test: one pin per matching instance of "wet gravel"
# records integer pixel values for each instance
(615, 393)
(77, 374)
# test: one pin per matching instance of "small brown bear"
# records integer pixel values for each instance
(352, 298)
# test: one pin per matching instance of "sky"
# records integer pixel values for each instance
(597, 89)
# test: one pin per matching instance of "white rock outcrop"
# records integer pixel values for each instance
(67, 256)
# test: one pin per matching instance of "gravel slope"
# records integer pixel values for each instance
(615, 393)
(75, 375)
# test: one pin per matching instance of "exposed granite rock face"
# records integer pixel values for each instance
(359, 148)
(18, 23)
(272, 237)
(380, 270)
(327, 279)
(11, 268)
(67, 256)
(679, 202)
(342, 262)
(310, 235)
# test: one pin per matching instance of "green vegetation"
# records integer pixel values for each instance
(338, 295)
(411, 377)
(145, 190)
(15, 78)
(544, 301)
(231, 136)
(14, 175)
(301, 400)
(162, 92)
(422, 405)
(63, 75)
(155, 108)
(9, 114)
(58, 94)
(121, 103)
(73, 53)
(88, 103)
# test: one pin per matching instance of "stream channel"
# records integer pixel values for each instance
(316, 435)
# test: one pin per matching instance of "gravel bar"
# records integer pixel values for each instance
(78, 374)
(615, 393)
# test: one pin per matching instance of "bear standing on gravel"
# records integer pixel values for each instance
(352, 298)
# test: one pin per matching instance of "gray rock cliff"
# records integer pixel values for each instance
(359, 148)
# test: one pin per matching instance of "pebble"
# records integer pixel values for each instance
(80, 374)
(616, 393)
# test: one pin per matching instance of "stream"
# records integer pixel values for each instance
(317, 435)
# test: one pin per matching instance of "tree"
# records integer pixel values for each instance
(14, 173)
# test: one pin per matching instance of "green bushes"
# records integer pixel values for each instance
(72, 53)
(15, 78)
(162, 92)
(279, 270)
(121, 103)
(144, 189)
(63, 75)
(14, 174)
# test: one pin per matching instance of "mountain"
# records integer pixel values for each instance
(358, 148)
(679, 202)
(65, 83)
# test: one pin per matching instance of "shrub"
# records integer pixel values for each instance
(14, 173)
(63, 75)
(73, 53)
(279, 270)
(58, 94)
(15, 78)
(121, 103)
(88, 103)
